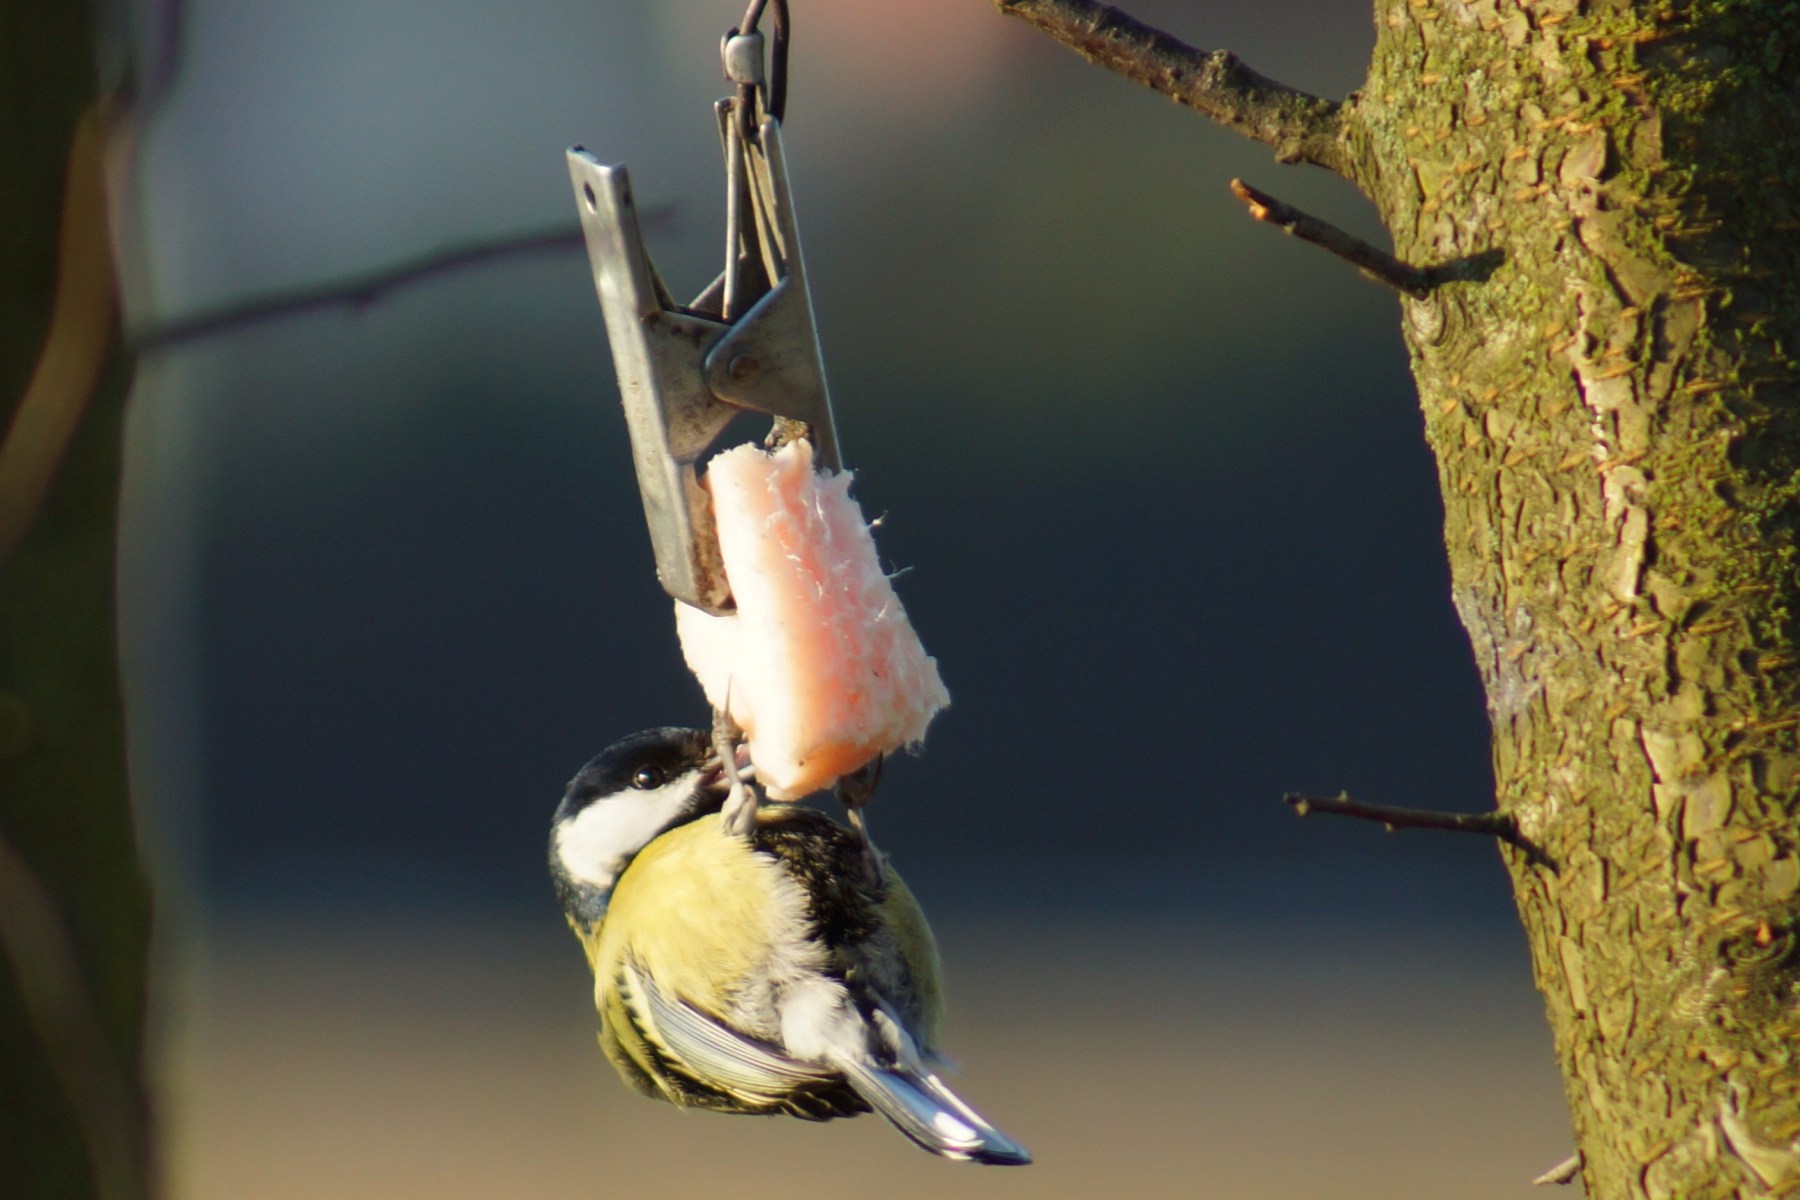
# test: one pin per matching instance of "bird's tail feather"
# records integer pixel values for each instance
(923, 1109)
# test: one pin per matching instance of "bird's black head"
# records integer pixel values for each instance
(627, 795)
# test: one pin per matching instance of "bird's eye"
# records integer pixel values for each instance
(647, 778)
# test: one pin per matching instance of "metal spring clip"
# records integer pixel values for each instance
(748, 342)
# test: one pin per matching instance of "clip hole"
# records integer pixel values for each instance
(587, 193)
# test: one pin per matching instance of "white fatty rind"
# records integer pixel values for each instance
(819, 664)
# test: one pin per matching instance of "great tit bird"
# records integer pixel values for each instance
(768, 972)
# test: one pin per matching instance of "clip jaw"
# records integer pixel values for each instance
(670, 412)
(747, 343)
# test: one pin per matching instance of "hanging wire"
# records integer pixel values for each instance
(778, 50)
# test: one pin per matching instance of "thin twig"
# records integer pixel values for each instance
(361, 289)
(1562, 1173)
(1494, 824)
(1373, 262)
(355, 290)
(1216, 83)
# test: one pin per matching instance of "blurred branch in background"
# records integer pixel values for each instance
(356, 291)
(366, 288)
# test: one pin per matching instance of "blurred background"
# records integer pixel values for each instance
(1154, 473)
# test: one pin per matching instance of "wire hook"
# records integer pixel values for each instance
(776, 105)
(748, 342)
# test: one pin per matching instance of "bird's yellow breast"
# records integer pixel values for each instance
(698, 909)
(729, 930)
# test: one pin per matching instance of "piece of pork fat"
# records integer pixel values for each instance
(820, 666)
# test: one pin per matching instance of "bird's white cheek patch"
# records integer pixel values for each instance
(595, 846)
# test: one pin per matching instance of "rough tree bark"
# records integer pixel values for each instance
(1604, 197)
(74, 907)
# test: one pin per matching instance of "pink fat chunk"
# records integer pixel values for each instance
(819, 664)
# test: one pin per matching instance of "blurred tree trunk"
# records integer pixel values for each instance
(1615, 412)
(74, 906)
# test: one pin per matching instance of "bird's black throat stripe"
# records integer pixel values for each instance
(826, 860)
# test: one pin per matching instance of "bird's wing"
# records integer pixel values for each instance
(707, 1050)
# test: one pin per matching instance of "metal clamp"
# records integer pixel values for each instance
(748, 342)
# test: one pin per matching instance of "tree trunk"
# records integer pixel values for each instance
(1614, 415)
(74, 908)
(1608, 193)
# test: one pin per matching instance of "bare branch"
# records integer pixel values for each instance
(1216, 83)
(358, 290)
(1562, 1174)
(1494, 824)
(1372, 261)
